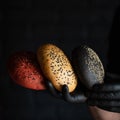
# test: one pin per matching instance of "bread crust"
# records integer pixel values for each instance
(88, 66)
(56, 67)
(24, 70)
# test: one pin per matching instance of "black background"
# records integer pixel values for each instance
(26, 24)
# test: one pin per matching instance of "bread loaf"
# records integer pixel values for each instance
(87, 66)
(23, 68)
(56, 66)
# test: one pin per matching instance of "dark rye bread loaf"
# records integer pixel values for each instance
(56, 66)
(87, 66)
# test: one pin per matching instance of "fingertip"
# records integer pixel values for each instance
(65, 89)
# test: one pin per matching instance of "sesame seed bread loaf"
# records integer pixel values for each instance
(87, 65)
(56, 66)
(23, 68)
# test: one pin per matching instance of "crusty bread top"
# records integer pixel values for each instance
(56, 66)
(87, 66)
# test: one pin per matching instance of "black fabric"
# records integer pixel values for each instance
(25, 25)
(113, 54)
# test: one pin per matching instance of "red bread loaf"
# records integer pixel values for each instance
(25, 71)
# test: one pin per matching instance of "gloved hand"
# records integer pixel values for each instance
(52, 89)
(91, 87)
(105, 96)
(74, 97)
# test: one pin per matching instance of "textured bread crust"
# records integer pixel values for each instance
(87, 66)
(24, 70)
(56, 66)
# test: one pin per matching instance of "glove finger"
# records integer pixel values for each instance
(104, 103)
(111, 109)
(105, 96)
(52, 90)
(73, 97)
(108, 87)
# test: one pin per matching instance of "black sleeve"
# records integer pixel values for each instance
(114, 46)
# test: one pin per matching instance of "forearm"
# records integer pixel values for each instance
(99, 114)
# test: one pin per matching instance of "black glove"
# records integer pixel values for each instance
(75, 97)
(105, 96)
(52, 89)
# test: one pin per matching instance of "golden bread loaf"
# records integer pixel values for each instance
(56, 66)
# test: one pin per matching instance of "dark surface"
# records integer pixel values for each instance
(26, 24)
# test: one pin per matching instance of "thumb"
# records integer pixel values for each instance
(75, 97)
